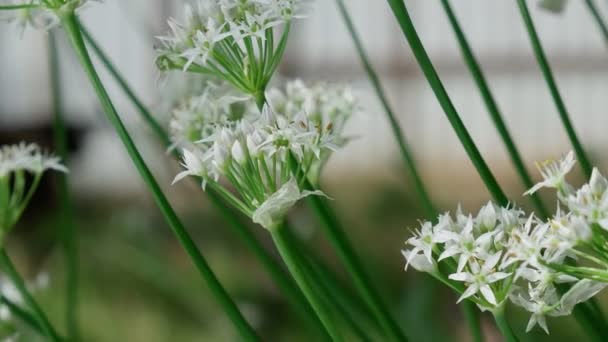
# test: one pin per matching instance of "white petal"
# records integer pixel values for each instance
(488, 294)
(471, 290)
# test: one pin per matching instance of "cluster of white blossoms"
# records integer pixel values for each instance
(328, 106)
(502, 254)
(231, 39)
(39, 14)
(16, 162)
(267, 157)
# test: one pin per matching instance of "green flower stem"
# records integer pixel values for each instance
(557, 98)
(274, 269)
(468, 309)
(473, 318)
(11, 272)
(402, 15)
(334, 232)
(122, 83)
(66, 212)
(601, 23)
(503, 325)
(297, 270)
(18, 7)
(492, 107)
(335, 300)
(22, 315)
(408, 158)
(72, 29)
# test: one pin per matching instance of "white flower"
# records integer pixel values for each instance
(581, 292)
(38, 14)
(29, 158)
(479, 278)
(271, 213)
(553, 173)
(423, 242)
(539, 304)
(419, 262)
(464, 244)
(591, 200)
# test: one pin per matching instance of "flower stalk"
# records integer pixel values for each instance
(599, 20)
(41, 318)
(492, 106)
(403, 18)
(297, 268)
(69, 233)
(553, 89)
(72, 29)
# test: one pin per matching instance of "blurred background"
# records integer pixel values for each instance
(137, 284)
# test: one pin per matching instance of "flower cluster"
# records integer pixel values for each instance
(502, 254)
(39, 14)
(231, 39)
(328, 106)
(196, 117)
(266, 157)
(16, 162)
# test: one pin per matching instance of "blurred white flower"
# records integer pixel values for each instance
(553, 173)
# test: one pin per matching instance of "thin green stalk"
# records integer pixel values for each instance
(18, 7)
(296, 268)
(274, 269)
(22, 315)
(503, 325)
(404, 20)
(601, 23)
(122, 83)
(11, 272)
(72, 28)
(333, 299)
(473, 318)
(408, 159)
(334, 232)
(66, 212)
(552, 85)
(492, 107)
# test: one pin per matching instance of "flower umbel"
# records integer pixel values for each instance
(232, 40)
(16, 163)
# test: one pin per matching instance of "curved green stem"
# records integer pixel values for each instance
(408, 158)
(503, 325)
(66, 212)
(18, 7)
(297, 270)
(334, 232)
(22, 315)
(472, 316)
(72, 28)
(407, 26)
(122, 83)
(552, 85)
(492, 107)
(601, 23)
(11, 272)
(403, 147)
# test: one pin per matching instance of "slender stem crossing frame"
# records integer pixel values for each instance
(72, 29)
(468, 308)
(69, 233)
(492, 107)
(543, 63)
